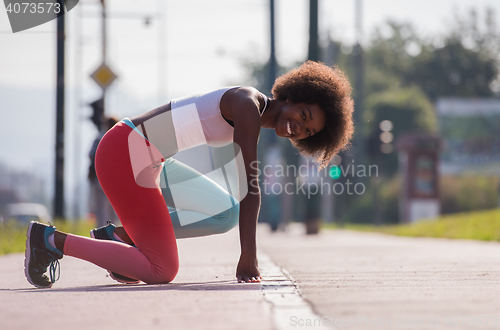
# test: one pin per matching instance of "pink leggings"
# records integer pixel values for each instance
(142, 212)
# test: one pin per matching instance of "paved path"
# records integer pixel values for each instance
(407, 282)
(204, 295)
(362, 280)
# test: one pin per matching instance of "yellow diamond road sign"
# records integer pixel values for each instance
(103, 76)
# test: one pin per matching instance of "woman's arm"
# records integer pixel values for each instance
(243, 104)
(139, 119)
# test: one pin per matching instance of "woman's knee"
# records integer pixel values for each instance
(214, 224)
(229, 219)
(163, 274)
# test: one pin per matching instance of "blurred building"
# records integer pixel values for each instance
(470, 130)
(20, 187)
(470, 157)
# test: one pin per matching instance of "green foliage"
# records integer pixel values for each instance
(359, 210)
(408, 109)
(258, 74)
(468, 193)
(380, 203)
(462, 63)
(484, 225)
(389, 193)
(454, 70)
(378, 80)
(406, 73)
(13, 235)
(392, 54)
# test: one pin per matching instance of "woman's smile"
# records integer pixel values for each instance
(299, 121)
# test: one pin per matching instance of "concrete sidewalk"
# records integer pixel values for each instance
(351, 279)
(204, 295)
(366, 280)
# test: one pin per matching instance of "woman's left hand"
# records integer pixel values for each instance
(247, 270)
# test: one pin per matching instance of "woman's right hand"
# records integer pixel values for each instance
(247, 270)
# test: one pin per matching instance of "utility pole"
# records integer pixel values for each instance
(59, 161)
(162, 52)
(313, 54)
(273, 67)
(312, 204)
(104, 39)
(359, 142)
(269, 143)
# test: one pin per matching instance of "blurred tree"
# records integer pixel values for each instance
(408, 109)
(454, 70)
(458, 194)
(390, 56)
(406, 73)
(462, 63)
(257, 73)
(468, 193)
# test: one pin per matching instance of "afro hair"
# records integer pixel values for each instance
(329, 88)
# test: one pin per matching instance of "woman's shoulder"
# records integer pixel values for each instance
(245, 91)
(244, 95)
(241, 103)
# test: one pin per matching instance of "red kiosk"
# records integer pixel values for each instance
(418, 163)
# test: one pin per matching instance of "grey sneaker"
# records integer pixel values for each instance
(106, 232)
(40, 255)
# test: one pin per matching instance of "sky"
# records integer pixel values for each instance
(189, 46)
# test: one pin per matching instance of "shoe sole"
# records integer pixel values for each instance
(111, 273)
(27, 255)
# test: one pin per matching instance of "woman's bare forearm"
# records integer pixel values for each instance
(247, 269)
(249, 211)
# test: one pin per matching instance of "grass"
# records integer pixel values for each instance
(13, 235)
(481, 225)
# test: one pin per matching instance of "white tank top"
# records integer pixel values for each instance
(197, 119)
(192, 121)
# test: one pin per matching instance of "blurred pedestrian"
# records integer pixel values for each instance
(99, 203)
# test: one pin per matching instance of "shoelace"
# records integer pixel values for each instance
(53, 267)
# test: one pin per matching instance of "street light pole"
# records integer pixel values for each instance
(59, 152)
(312, 204)
(272, 58)
(313, 31)
(359, 140)
(104, 40)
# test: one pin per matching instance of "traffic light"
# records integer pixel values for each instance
(386, 137)
(98, 113)
(380, 141)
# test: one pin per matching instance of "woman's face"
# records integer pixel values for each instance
(299, 121)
